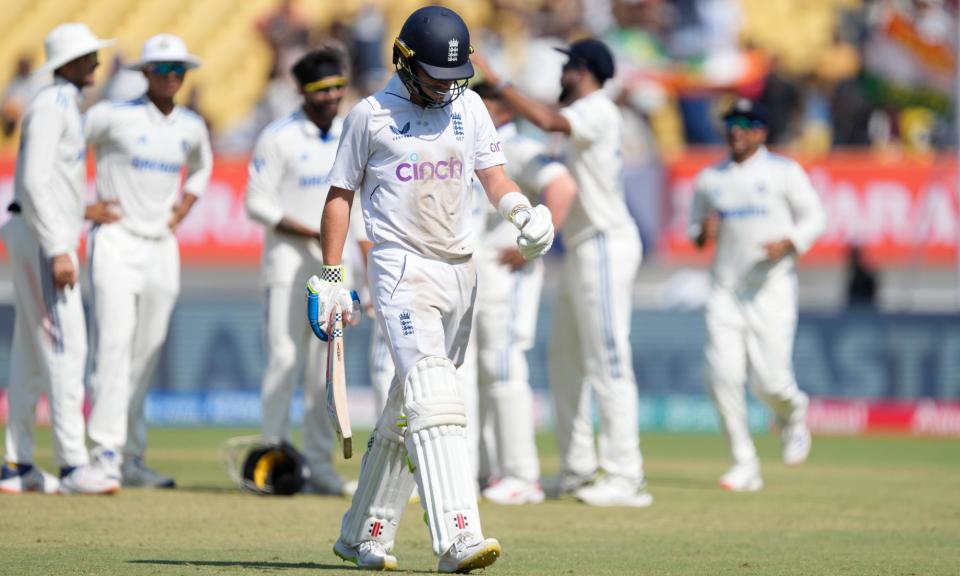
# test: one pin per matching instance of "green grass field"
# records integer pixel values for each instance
(872, 506)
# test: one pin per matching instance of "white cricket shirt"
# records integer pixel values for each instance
(51, 177)
(766, 198)
(529, 165)
(141, 155)
(594, 153)
(413, 168)
(288, 176)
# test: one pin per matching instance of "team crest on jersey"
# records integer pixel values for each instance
(453, 50)
(406, 323)
(457, 126)
(401, 132)
(184, 146)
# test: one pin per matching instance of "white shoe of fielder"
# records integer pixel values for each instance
(136, 474)
(615, 491)
(88, 480)
(795, 440)
(512, 490)
(368, 554)
(742, 478)
(20, 478)
(468, 552)
(564, 483)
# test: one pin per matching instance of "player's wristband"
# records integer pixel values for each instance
(332, 274)
(511, 204)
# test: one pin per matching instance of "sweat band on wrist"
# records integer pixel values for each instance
(511, 203)
(332, 274)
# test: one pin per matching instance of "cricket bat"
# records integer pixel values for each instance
(337, 383)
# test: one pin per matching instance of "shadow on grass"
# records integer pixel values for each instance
(261, 565)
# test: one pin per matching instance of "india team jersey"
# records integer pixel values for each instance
(413, 168)
(764, 199)
(51, 177)
(532, 168)
(140, 156)
(595, 157)
(288, 176)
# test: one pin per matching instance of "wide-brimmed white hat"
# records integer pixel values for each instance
(165, 48)
(70, 41)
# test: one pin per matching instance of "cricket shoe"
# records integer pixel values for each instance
(369, 554)
(328, 483)
(86, 480)
(20, 478)
(468, 552)
(615, 491)
(106, 462)
(136, 474)
(742, 478)
(565, 483)
(512, 490)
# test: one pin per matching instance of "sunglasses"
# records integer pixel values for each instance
(743, 123)
(325, 84)
(164, 68)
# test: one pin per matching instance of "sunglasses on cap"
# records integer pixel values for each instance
(743, 123)
(325, 84)
(164, 68)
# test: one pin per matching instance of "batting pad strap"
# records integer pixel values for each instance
(432, 395)
(332, 274)
(511, 203)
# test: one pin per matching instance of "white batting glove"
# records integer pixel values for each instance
(325, 291)
(535, 224)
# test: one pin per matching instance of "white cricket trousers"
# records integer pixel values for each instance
(750, 337)
(294, 352)
(506, 324)
(49, 352)
(590, 351)
(135, 283)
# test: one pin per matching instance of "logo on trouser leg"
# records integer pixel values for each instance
(406, 323)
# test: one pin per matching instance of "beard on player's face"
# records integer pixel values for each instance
(569, 81)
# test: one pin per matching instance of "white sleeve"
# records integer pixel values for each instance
(41, 130)
(487, 147)
(353, 152)
(264, 174)
(96, 123)
(585, 127)
(538, 170)
(809, 218)
(199, 163)
(699, 207)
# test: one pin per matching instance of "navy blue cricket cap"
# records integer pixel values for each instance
(746, 108)
(593, 54)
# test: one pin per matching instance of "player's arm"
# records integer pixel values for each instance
(262, 200)
(96, 133)
(334, 225)
(809, 219)
(199, 170)
(703, 223)
(535, 224)
(541, 115)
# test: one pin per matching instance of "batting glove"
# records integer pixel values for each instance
(322, 293)
(536, 234)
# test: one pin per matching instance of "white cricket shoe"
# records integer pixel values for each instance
(107, 462)
(512, 490)
(328, 483)
(88, 480)
(565, 483)
(795, 440)
(742, 478)
(20, 478)
(136, 474)
(615, 491)
(368, 554)
(468, 552)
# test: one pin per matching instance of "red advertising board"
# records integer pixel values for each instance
(900, 211)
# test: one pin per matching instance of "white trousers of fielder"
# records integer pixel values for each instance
(48, 355)
(750, 337)
(590, 352)
(135, 283)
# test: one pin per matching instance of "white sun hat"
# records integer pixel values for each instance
(70, 41)
(165, 48)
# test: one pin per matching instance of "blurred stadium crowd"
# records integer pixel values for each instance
(833, 73)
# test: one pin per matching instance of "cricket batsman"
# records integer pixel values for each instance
(762, 212)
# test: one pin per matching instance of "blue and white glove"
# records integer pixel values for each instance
(323, 292)
(535, 224)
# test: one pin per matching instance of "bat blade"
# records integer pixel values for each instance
(337, 383)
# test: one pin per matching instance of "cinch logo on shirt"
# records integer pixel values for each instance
(743, 212)
(417, 170)
(155, 165)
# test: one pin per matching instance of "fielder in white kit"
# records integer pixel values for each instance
(508, 300)
(286, 190)
(50, 334)
(409, 150)
(763, 212)
(142, 146)
(590, 346)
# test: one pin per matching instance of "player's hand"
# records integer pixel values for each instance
(778, 249)
(64, 272)
(323, 293)
(536, 231)
(512, 258)
(103, 212)
(709, 229)
(176, 217)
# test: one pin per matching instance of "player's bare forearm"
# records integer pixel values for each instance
(181, 210)
(334, 224)
(293, 227)
(496, 183)
(558, 196)
(541, 115)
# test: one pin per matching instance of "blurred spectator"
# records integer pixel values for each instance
(861, 281)
(17, 95)
(367, 50)
(781, 97)
(285, 31)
